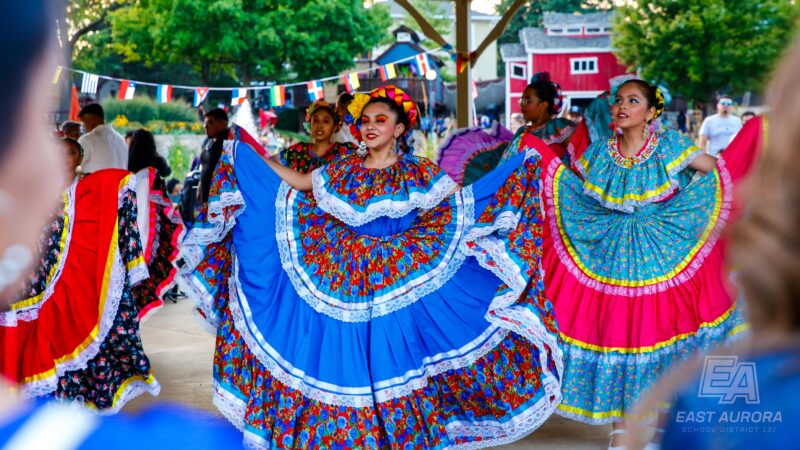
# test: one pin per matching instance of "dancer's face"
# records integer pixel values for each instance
(322, 124)
(72, 159)
(630, 110)
(533, 109)
(379, 126)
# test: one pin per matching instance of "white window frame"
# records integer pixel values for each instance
(524, 68)
(592, 60)
(555, 31)
(594, 30)
(573, 31)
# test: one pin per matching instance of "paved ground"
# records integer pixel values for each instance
(181, 353)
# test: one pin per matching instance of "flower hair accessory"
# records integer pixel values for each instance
(322, 104)
(558, 98)
(620, 80)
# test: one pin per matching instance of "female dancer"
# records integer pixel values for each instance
(764, 365)
(402, 311)
(540, 103)
(324, 122)
(632, 257)
(160, 225)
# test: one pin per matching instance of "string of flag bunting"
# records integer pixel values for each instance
(277, 92)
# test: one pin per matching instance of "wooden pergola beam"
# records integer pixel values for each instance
(464, 77)
(427, 28)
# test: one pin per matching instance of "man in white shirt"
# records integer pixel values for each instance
(718, 129)
(103, 147)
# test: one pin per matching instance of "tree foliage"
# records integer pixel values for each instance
(248, 39)
(222, 42)
(703, 47)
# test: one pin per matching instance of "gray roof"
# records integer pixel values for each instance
(512, 51)
(445, 9)
(563, 20)
(536, 39)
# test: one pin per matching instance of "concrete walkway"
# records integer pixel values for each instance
(181, 352)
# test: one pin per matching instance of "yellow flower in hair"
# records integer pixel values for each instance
(357, 105)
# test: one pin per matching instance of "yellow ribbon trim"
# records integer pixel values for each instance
(658, 345)
(101, 304)
(592, 414)
(682, 157)
(37, 298)
(149, 381)
(134, 262)
(628, 283)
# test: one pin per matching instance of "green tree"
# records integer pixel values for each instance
(703, 47)
(248, 39)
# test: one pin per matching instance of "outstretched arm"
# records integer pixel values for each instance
(295, 179)
(704, 163)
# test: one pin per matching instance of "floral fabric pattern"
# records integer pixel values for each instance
(301, 156)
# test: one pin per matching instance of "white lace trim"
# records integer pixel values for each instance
(116, 286)
(31, 312)
(203, 300)
(232, 407)
(399, 297)
(344, 211)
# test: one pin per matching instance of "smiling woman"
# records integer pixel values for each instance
(402, 312)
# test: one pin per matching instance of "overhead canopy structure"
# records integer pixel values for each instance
(465, 57)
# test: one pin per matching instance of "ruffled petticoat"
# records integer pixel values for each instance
(382, 310)
(162, 230)
(74, 334)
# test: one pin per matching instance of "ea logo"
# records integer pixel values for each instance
(726, 378)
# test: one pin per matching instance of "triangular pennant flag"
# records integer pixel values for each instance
(164, 93)
(351, 82)
(277, 96)
(387, 72)
(239, 96)
(126, 89)
(57, 75)
(89, 83)
(315, 90)
(423, 63)
(200, 95)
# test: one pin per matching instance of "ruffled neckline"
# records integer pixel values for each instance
(357, 195)
(624, 182)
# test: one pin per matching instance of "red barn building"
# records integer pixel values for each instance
(574, 48)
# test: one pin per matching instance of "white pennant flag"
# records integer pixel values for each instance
(89, 84)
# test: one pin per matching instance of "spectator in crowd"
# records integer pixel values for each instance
(517, 121)
(103, 147)
(575, 113)
(216, 125)
(73, 155)
(143, 153)
(747, 115)
(344, 135)
(174, 188)
(718, 129)
(128, 137)
(71, 129)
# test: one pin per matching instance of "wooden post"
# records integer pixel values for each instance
(463, 78)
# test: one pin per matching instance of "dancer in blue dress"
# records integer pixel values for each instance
(373, 304)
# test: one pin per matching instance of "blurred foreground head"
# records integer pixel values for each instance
(30, 159)
(766, 251)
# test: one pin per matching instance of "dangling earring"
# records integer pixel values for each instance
(361, 151)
